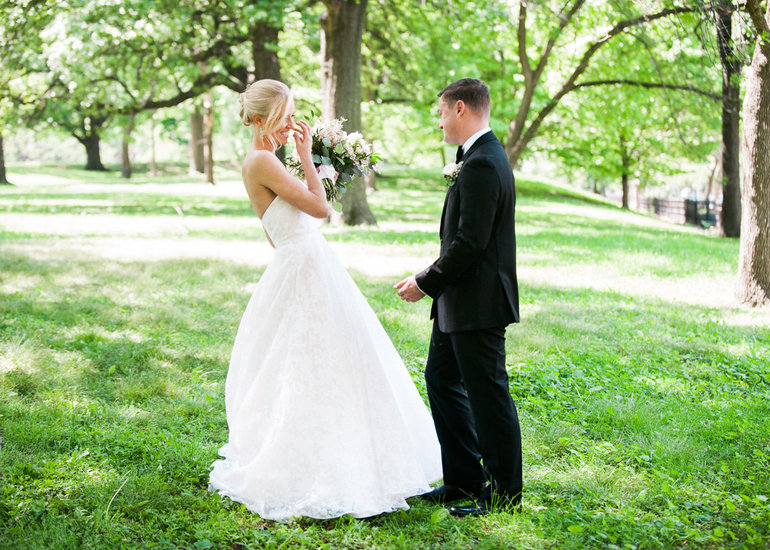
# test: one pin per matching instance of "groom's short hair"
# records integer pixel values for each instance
(471, 91)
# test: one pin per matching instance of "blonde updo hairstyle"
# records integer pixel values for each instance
(268, 102)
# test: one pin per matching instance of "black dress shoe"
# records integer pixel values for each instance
(449, 493)
(487, 504)
(478, 509)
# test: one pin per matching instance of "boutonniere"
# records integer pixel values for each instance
(451, 171)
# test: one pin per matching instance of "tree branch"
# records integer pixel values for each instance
(119, 81)
(569, 85)
(563, 22)
(649, 85)
(218, 48)
(521, 33)
(754, 9)
(201, 84)
(616, 30)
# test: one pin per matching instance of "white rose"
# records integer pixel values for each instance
(327, 171)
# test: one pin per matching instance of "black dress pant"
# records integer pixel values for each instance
(475, 417)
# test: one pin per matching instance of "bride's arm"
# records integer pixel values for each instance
(265, 169)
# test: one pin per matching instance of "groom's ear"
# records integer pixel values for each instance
(460, 107)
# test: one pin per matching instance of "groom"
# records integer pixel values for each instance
(475, 296)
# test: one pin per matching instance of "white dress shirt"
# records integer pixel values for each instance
(471, 140)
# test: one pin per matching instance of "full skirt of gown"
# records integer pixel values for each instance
(324, 419)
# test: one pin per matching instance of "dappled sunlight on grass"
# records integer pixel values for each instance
(643, 389)
(554, 192)
(113, 225)
(18, 356)
(568, 212)
(695, 290)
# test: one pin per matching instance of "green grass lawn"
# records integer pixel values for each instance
(643, 389)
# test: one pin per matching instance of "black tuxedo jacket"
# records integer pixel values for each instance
(473, 282)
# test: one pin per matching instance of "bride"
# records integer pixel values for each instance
(324, 419)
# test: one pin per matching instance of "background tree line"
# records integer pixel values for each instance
(620, 92)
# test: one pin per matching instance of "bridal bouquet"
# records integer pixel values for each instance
(335, 152)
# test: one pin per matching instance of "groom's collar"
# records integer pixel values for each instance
(471, 140)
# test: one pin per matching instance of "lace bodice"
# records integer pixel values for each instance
(284, 222)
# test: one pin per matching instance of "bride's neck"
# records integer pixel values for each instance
(262, 145)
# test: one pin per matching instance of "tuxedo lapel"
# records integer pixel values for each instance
(449, 193)
(486, 138)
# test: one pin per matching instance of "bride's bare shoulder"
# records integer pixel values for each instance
(258, 160)
(261, 169)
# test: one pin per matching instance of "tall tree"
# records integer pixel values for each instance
(3, 176)
(125, 145)
(731, 120)
(530, 71)
(196, 140)
(627, 136)
(753, 285)
(342, 27)
(99, 68)
(639, 126)
(35, 37)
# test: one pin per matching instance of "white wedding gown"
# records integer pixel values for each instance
(324, 419)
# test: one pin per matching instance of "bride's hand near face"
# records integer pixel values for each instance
(303, 138)
(266, 170)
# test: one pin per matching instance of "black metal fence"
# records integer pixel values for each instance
(703, 214)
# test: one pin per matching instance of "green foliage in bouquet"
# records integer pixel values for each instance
(339, 157)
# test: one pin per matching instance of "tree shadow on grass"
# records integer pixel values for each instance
(599, 377)
(124, 346)
(585, 240)
(661, 389)
(128, 204)
(125, 392)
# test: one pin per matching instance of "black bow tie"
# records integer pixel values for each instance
(459, 154)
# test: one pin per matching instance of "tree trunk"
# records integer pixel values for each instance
(264, 51)
(626, 169)
(196, 141)
(93, 154)
(710, 183)
(125, 153)
(731, 115)
(624, 179)
(343, 25)
(153, 161)
(91, 141)
(753, 286)
(3, 175)
(208, 138)
(371, 181)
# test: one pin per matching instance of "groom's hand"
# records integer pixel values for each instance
(408, 290)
